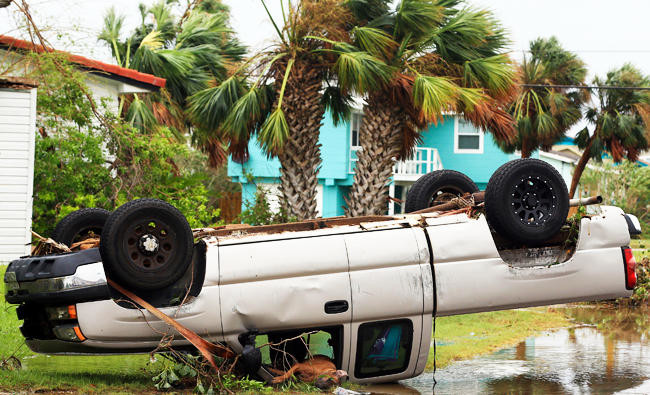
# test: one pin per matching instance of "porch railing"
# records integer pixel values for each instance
(423, 161)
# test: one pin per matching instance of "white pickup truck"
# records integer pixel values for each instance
(367, 286)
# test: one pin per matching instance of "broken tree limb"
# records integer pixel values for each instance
(466, 200)
(206, 348)
(586, 201)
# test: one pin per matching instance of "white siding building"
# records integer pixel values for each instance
(18, 118)
(17, 128)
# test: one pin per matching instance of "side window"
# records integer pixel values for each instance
(467, 137)
(282, 349)
(383, 348)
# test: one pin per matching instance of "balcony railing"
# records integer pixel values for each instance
(423, 161)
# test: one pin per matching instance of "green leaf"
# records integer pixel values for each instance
(210, 107)
(361, 72)
(274, 132)
(374, 41)
(433, 95)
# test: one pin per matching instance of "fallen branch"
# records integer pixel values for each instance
(206, 348)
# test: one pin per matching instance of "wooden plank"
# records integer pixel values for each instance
(14, 171)
(13, 163)
(14, 95)
(13, 136)
(14, 154)
(13, 206)
(13, 197)
(15, 146)
(13, 231)
(15, 102)
(17, 120)
(14, 128)
(12, 214)
(14, 240)
(12, 180)
(14, 188)
(12, 249)
(23, 111)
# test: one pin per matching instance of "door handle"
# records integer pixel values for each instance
(336, 307)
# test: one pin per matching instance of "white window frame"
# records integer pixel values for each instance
(481, 135)
(354, 148)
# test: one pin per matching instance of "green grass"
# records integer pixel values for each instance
(642, 244)
(126, 374)
(465, 336)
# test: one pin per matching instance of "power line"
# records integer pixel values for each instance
(622, 88)
(598, 50)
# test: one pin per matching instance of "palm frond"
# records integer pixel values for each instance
(140, 116)
(210, 107)
(433, 95)
(274, 132)
(418, 17)
(361, 71)
(374, 41)
(338, 104)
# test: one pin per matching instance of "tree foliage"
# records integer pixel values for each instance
(620, 120)
(432, 57)
(543, 115)
(190, 49)
(80, 162)
(626, 185)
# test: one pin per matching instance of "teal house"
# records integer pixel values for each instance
(451, 144)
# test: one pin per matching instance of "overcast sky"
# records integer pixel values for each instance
(604, 33)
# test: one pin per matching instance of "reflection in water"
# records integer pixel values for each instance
(608, 352)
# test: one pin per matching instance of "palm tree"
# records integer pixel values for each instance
(279, 95)
(442, 58)
(188, 51)
(544, 115)
(621, 120)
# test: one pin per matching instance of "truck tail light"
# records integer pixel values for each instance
(630, 268)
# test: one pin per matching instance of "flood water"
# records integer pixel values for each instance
(607, 351)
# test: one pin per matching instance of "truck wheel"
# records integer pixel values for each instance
(526, 200)
(146, 245)
(438, 187)
(80, 225)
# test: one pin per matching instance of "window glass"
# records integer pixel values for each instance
(383, 348)
(355, 126)
(469, 142)
(468, 136)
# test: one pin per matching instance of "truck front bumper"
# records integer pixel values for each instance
(47, 289)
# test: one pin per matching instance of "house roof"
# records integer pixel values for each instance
(117, 72)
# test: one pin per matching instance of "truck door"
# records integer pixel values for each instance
(390, 317)
(284, 287)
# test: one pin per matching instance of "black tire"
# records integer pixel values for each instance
(437, 187)
(526, 200)
(146, 245)
(80, 224)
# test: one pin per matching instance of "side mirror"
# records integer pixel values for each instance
(633, 224)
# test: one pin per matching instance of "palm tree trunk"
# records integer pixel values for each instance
(300, 158)
(525, 150)
(380, 144)
(580, 167)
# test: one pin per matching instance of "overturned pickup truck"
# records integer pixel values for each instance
(367, 286)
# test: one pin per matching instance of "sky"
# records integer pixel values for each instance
(604, 33)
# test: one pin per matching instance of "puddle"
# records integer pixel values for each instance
(607, 352)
